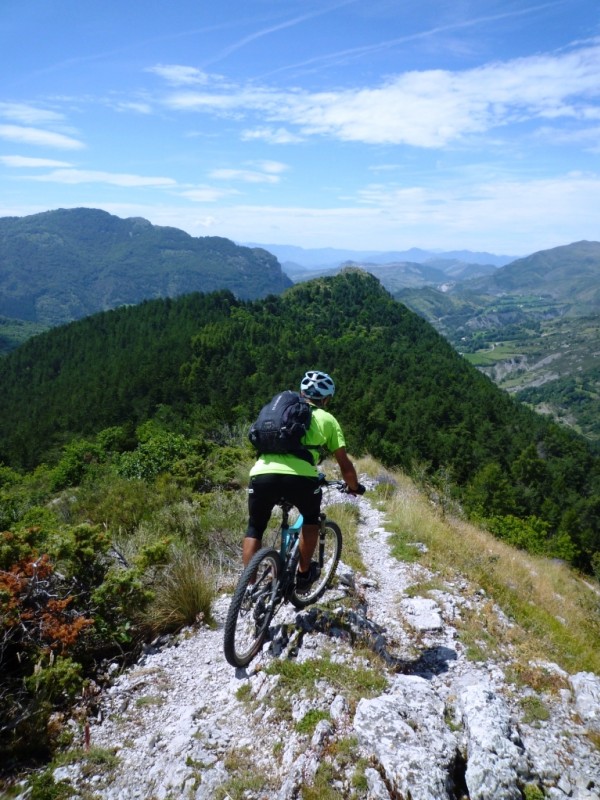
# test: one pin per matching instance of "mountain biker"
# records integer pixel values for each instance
(274, 476)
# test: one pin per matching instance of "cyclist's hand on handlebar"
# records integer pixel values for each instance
(360, 489)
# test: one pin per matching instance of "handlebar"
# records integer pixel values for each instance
(341, 485)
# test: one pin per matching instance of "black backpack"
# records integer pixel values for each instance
(281, 424)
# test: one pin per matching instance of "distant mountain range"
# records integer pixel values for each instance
(332, 258)
(66, 264)
(397, 269)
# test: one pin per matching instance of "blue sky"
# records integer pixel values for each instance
(364, 124)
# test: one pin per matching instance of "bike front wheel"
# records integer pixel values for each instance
(327, 556)
(252, 607)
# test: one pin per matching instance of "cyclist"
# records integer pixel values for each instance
(274, 476)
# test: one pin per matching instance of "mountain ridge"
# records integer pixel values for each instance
(68, 263)
(378, 689)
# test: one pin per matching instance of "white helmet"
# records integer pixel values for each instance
(317, 385)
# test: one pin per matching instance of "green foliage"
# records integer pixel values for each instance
(533, 792)
(534, 710)
(76, 459)
(529, 534)
(86, 572)
(121, 596)
(490, 492)
(152, 457)
(14, 332)
(116, 503)
(310, 720)
(8, 476)
(44, 787)
(216, 360)
(56, 682)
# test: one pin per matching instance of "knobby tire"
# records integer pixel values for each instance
(252, 607)
(327, 555)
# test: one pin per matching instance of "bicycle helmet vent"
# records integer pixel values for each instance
(317, 385)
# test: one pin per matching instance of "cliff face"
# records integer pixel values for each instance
(373, 695)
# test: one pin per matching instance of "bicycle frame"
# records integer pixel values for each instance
(288, 546)
(290, 540)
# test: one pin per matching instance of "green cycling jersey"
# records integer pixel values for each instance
(324, 434)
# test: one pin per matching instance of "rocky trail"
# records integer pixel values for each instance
(420, 721)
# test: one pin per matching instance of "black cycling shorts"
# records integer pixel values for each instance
(265, 491)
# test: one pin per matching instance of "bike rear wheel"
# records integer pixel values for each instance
(252, 607)
(327, 555)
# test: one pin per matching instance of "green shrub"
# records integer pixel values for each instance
(181, 520)
(122, 598)
(533, 534)
(529, 534)
(56, 682)
(117, 503)
(8, 476)
(153, 456)
(77, 458)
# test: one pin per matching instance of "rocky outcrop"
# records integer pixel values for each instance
(183, 723)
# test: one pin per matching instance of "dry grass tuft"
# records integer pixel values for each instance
(183, 594)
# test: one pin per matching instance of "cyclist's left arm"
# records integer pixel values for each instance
(348, 471)
(336, 445)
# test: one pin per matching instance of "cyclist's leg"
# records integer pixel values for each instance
(306, 495)
(307, 545)
(262, 496)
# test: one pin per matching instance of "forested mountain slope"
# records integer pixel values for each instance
(404, 396)
(66, 264)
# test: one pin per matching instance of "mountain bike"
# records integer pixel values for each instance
(269, 580)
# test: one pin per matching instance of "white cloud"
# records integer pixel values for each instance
(505, 215)
(245, 175)
(179, 75)
(274, 167)
(430, 109)
(39, 138)
(587, 138)
(515, 217)
(26, 161)
(207, 194)
(139, 107)
(29, 115)
(75, 176)
(271, 135)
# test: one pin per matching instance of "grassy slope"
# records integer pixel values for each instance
(555, 610)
